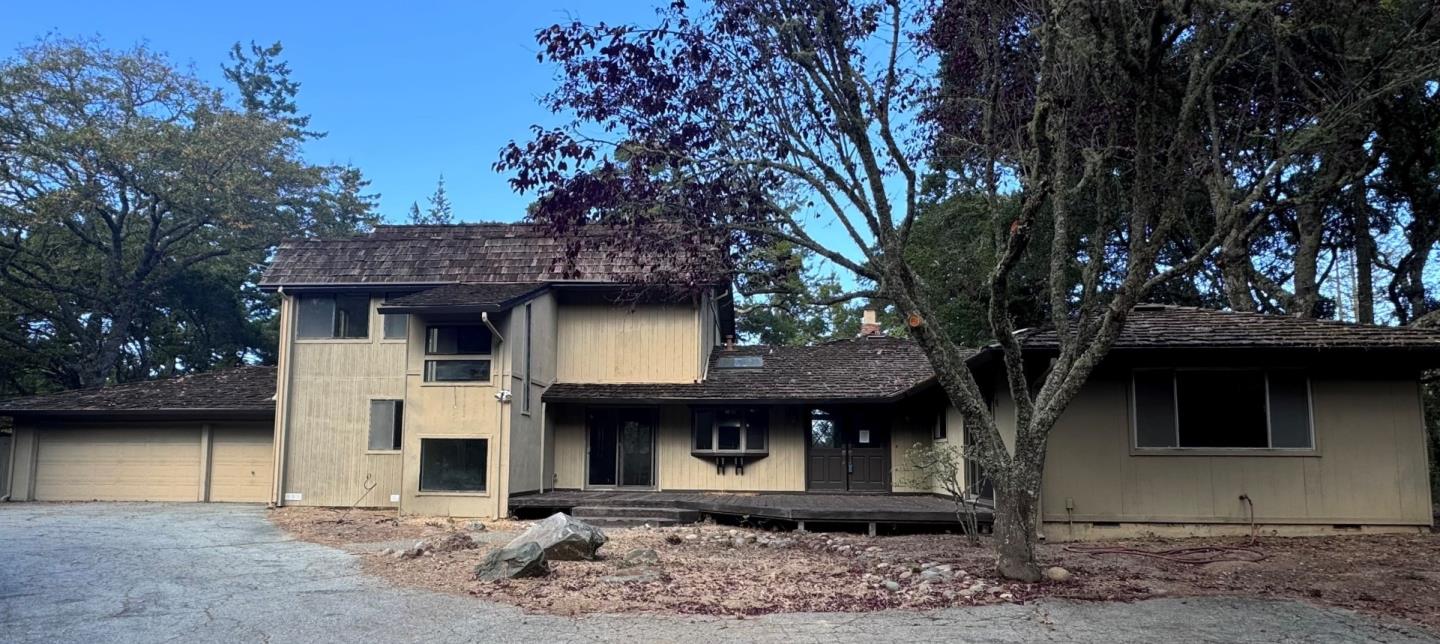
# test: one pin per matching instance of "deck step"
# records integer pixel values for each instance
(674, 515)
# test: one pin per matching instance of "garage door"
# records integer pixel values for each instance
(240, 464)
(118, 464)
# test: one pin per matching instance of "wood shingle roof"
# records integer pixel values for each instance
(241, 392)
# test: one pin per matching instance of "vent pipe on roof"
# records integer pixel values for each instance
(869, 324)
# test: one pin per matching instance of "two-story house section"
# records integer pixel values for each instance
(414, 360)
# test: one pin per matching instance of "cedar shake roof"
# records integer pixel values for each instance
(870, 369)
(1153, 326)
(463, 297)
(237, 392)
(489, 253)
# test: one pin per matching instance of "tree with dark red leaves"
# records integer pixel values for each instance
(1142, 136)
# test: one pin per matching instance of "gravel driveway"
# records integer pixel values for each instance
(122, 572)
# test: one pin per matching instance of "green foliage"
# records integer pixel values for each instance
(792, 303)
(137, 207)
(439, 211)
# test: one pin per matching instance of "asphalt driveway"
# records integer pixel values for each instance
(122, 572)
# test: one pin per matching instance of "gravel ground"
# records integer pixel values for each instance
(211, 572)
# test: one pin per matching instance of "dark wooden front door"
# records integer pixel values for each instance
(848, 451)
(622, 448)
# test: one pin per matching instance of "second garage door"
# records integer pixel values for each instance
(240, 461)
(118, 464)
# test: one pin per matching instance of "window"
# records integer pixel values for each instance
(396, 324)
(824, 431)
(338, 316)
(529, 327)
(1222, 409)
(453, 464)
(386, 418)
(940, 432)
(731, 430)
(457, 370)
(457, 340)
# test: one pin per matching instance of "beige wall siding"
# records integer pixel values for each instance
(620, 343)
(5, 442)
(1369, 466)
(567, 446)
(783, 470)
(240, 463)
(22, 463)
(910, 428)
(456, 410)
(331, 385)
(526, 438)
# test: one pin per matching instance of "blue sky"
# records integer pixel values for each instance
(406, 91)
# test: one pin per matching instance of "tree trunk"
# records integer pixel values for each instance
(1233, 256)
(1015, 530)
(1364, 265)
(1309, 225)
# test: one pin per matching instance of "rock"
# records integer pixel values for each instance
(737, 542)
(691, 537)
(449, 543)
(927, 565)
(634, 575)
(386, 552)
(967, 593)
(882, 565)
(475, 526)
(750, 538)
(1057, 574)
(563, 538)
(891, 586)
(932, 575)
(640, 557)
(397, 554)
(514, 562)
(1006, 596)
(674, 539)
(977, 588)
(906, 575)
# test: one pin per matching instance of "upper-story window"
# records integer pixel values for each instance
(334, 316)
(1222, 409)
(466, 348)
(395, 325)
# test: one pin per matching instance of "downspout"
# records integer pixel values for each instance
(282, 413)
(501, 426)
(543, 429)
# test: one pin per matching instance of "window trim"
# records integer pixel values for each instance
(399, 420)
(420, 464)
(384, 316)
(429, 328)
(370, 315)
(425, 380)
(744, 428)
(1177, 450)
(941, 429)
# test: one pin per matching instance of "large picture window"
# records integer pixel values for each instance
(1222, 409)
(453, 464)
(731, 431)
(334, 316)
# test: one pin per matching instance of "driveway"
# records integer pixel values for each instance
(200, 572)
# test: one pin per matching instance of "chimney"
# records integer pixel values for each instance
(729, 343)
(869, 326)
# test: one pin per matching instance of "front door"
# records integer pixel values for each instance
(848, 451)
(621, 448)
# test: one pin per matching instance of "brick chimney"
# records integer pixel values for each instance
(869, 324)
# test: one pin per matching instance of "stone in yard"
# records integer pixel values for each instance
(892, 586)
(475, 526)
(1056, 573)
(514, 562)
(449, 543)
(905, 575)
(1006, 596)
(967, 593)
(691, 537)
(563, 538)
(634, 575)
(640, 557)
(932, 575)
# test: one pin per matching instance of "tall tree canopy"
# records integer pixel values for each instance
(137, 203)
(1117, 149)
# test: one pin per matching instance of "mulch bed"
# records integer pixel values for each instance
(1389, 575)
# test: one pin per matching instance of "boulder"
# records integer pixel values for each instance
(640, 557)
(1056, 573)
(563, 538)
(514, 562)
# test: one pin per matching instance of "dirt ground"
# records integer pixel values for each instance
(705, 569)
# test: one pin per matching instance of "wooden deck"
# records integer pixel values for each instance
(798, 507)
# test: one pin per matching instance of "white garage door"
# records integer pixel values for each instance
(118, 464)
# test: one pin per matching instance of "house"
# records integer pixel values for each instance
(202, 437)
(488, 369)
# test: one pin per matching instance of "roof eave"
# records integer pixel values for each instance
(212, 413)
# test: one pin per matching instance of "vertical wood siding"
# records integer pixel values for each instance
(329, 419)
(618, 343)
(525, 439)
(1370, 467)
